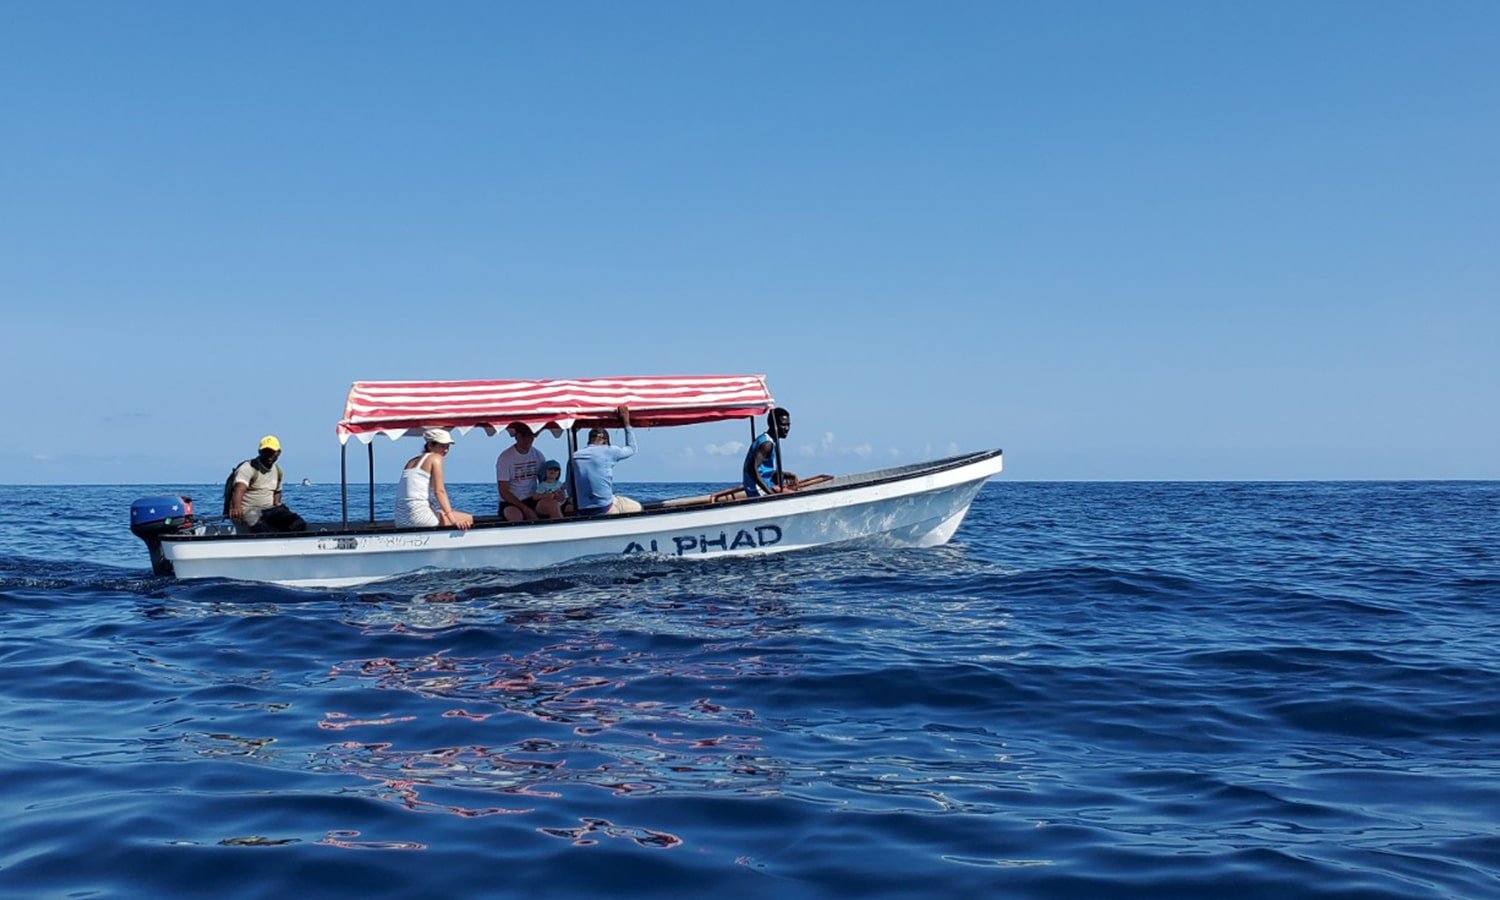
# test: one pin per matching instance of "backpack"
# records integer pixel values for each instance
(229, 482)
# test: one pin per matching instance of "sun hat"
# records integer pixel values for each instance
(269, 442)
(437, 436)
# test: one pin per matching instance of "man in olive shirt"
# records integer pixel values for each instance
(255, 498)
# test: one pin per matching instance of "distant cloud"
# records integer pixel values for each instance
(952, 448)
(829, 447)
(41, 457)
(728, 448)
(824, 447)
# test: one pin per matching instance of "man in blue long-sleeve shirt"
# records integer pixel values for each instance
(594, 468)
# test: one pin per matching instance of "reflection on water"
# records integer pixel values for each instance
(652, 691)
(587, 693)
(592, 830)
(346, 840)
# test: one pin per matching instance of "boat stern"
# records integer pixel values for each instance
(152, 517)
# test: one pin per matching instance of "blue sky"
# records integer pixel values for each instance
(1121, 240)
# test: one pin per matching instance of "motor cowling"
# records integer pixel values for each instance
(152, 517)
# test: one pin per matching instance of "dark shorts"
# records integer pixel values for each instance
(279, 518)
(529, 503)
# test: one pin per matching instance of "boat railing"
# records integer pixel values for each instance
(738, 492)
(819, 482)
(730, 494)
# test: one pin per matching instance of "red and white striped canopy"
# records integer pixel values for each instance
(396, 408)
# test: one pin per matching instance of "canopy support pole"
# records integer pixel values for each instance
(371, 447)
(344, 478)
(752, 441)
(572, 482)
(775, 442)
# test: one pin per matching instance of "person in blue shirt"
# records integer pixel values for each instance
(594, 470)
(759, 470)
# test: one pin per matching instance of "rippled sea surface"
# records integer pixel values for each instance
(1097, 690)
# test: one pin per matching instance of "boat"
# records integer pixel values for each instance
(918, 505)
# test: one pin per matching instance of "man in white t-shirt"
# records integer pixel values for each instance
(516, 474)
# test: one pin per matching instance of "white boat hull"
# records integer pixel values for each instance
(918, 506)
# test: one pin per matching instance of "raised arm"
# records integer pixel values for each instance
(629, 448)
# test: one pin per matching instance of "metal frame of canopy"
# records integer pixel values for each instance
(401, 408)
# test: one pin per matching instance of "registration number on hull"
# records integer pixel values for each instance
(377, 542)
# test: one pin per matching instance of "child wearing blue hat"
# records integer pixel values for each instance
(550, 484)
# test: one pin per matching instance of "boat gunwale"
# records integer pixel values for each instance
(840, 484)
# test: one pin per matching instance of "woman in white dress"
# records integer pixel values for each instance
(423, 476)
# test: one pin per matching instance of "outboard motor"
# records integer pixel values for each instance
(152, 517)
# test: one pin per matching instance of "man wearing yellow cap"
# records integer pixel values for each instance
(253, 495)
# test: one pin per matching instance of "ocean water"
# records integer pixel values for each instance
(1097, 690)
